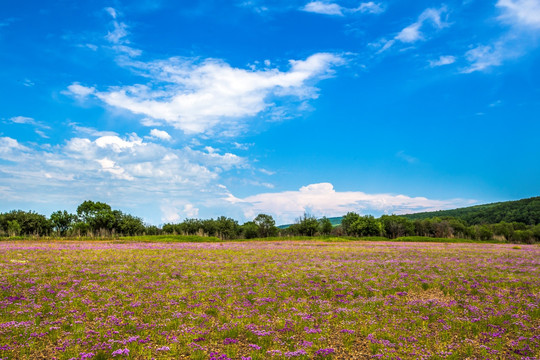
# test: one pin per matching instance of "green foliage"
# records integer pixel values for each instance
(347, 221)
(62, 221)
(325, 226)
(366, 226)
(13, 228)
(394, 226)
(250, 230)
(227, 228)
(307, 225)
(266, 225)
(20, 222)
(484, 233)
(526, 211)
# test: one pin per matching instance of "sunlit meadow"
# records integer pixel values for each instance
(268, 300)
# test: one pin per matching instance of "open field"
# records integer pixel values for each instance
(278, 300)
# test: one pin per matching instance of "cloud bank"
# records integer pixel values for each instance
(322, 199)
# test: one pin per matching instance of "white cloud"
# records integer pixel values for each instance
(121, 169)
(160, 134)
(78, 90)
(198, 97)
(329, 8)
(173, 211)
(523, 18)
(30, 121)
(321, 199)
(191, 211)
(415, 31)
(111, 12)
(370, 7)
(23, 120)
(88, 131)
(483, 57)
(11, 150)
(442, 60)
(520, 12)
(320, 7)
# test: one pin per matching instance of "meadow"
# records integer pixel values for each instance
(268, 300)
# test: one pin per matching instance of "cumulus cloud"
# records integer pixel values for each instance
(160, 134)
(122, 168)
(80, 91)
(197, 97)
(429, 19)
(329, 8)
(322, 199)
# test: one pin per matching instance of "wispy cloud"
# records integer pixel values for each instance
(24, 120)
(330, 8)
(429, 19)
(118, 36)
(88, 131)
(322, 199)
(520, 13)
(406, 157)
(442, 60)
(523, 19)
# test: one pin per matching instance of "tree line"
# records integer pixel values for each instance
(97, 219)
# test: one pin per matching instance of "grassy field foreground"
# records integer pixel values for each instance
(261, 300)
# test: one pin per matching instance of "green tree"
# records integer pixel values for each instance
(503, 229)
(484, 232)
(366, 226)
(130, 225)
(62, 221)
(97, 215)
(347, 221)
(325, 226)
(307, 225)
(250, 230)
(227, 228)
(30, 223)
(395, 226)
(266, 224)
(13, 228)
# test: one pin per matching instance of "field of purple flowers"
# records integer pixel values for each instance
(278, 300)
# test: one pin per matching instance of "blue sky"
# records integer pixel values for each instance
(168, 110)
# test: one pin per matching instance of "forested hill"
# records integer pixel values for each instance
(526, 211)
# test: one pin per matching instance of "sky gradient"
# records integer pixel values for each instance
(170, 110)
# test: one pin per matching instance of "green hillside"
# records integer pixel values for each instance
(526, 211)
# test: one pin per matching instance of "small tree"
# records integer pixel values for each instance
(325, 226)
(266, 224)
(250, 230)
(347, 221)
(366, 226)
(307, 225)
(13, 227)
(62, 221)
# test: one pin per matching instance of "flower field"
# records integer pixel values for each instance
(268, 300)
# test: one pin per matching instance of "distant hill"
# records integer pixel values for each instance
(526, 211)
